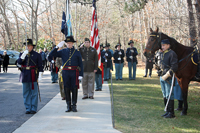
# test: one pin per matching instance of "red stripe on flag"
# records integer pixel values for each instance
(95, 39)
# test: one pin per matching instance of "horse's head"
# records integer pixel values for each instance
(153, 43)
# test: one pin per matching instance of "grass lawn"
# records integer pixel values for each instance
(138, 106)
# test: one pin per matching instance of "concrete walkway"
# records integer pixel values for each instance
(93, 116)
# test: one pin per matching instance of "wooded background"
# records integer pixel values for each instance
(129, 19)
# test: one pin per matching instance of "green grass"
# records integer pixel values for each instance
(138, 106)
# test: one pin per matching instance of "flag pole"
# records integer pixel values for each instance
(25, 31)
(67, 13)
(76, 24)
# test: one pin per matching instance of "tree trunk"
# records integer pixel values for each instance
(141, 38)
(35, 24)
(17, 24)
(6, 22)
(192, 27)
(197, 6)
(52, 29)
(3, 34)
(145, 19)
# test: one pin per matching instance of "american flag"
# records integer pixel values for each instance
(94, 35)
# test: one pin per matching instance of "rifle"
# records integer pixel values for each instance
(119, 50)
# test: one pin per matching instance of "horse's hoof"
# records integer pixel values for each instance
(183, 114)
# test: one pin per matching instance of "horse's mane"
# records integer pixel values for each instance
(175, 44)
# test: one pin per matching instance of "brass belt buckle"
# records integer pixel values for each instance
(27, 68)
(69, 67)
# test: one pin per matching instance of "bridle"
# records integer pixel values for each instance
(156, 43)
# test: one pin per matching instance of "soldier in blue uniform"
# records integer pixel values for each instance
(54, 69)
(31, 67)
(131, 58)
(119, 61)
(111, 64)
(169, 65)
(106, 54)
(72, 70)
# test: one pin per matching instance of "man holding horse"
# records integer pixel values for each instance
(169, 65)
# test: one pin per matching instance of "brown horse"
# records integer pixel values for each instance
(186, 69)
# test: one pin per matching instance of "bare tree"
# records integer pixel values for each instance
(3, 5)
(192, 26)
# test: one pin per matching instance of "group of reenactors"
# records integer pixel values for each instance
(82, 64)
(74, 65)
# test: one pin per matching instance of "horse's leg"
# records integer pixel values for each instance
(184, 87)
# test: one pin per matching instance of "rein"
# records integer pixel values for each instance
(156, 43)
(187, 59)
(182, 60)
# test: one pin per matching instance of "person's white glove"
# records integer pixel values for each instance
(106, 54)
(52, 61)
(60, 44)
(24, 54)
(120, 53)
(61, 67)
(164, 77)
(80, 77)
(119, 58)
(131, 57)
(40, 76)
(132, 51)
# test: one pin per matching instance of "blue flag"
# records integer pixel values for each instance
(69, 25)
(64, 28)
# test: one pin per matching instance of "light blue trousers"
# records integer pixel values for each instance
(130, 67)
(54, 76)
(165, 87)
(98, 81)
(118, 70)
(106, 72)
(30, 96)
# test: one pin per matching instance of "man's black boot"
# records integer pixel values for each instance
(74, 108)
(165, 102)
(74, 99)
(68, 99)
(69, 108)
(171, 109)
(146, 71)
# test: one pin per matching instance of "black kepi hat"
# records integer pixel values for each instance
(29, 42)
(131, 41)
(106, 46)
(165, 41)
(70, 39)
(118, 45)
(87, 39)
(101, 45)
